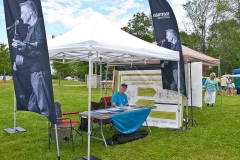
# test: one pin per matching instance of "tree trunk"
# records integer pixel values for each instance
(4, 74)
(59, 78)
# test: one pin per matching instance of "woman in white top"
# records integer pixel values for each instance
(233, 87)
(229, 86)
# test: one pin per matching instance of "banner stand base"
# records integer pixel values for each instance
(12, 130)
(194, 123)
(86, 157)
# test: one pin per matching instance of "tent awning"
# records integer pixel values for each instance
(190, 55)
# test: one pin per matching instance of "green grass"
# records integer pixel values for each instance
(215, 137)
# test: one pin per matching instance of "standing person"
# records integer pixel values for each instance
(229, 86)
(120, 98)
(210, 88)
(34, 55)
(223, 84)
(233, 87)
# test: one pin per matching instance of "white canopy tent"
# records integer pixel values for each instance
(96, 39)
(99, 36)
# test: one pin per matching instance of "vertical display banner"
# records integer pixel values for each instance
(194, 83)
(145, 89)
(167, 35)
(29, 57)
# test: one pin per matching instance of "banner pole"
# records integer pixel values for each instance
(14, 112)
(15, 129)
(58, 153)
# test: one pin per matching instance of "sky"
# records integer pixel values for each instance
(62, 15)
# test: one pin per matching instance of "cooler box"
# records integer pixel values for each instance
(238, 90)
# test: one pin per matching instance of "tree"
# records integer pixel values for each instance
(141, 26)
(190, 40)
(5, 65)
(204, 13)
(60, 68)
(225, 37)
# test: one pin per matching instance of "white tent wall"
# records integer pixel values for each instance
(194, 83)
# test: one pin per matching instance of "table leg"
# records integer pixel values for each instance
(103, 135)
(148, 127)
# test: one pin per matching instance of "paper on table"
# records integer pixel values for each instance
(102, 111)
(114, 109)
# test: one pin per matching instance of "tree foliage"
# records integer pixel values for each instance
(215, 25)
(190, 40)
(140, 26)
(204, 13)
(79, 69)
(5, 65)
(225, 37)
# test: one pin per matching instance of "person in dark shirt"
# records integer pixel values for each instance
(33, 54)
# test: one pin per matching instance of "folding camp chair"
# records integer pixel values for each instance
(106, 101)
(65, 127)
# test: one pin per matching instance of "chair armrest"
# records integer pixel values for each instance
(68, 113)
(62, 119)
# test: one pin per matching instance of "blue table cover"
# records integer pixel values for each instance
(129, 122)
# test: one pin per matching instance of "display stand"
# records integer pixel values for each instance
(14, 129)
(194, 123)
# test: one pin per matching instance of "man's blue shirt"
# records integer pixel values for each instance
(119, 99)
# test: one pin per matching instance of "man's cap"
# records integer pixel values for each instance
(124, 85)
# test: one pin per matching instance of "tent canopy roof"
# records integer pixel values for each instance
(190, 55)
(97, 36)
(229, 75)
(236, 71)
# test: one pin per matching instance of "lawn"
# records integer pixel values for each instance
(215, 137)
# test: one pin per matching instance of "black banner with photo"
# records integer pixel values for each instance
(167, 35)
(29, 57)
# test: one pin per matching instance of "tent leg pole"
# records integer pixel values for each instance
(89, 157)
(186, 98)
(179, 116)
(100, 77)
(106, 81)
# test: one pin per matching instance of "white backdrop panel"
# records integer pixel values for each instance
(194, 87)
(146, 85)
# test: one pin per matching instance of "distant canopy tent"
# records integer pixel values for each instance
(97, 40)
(236, 71)
(189, 55)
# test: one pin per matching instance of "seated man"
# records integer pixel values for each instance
(120, 98)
